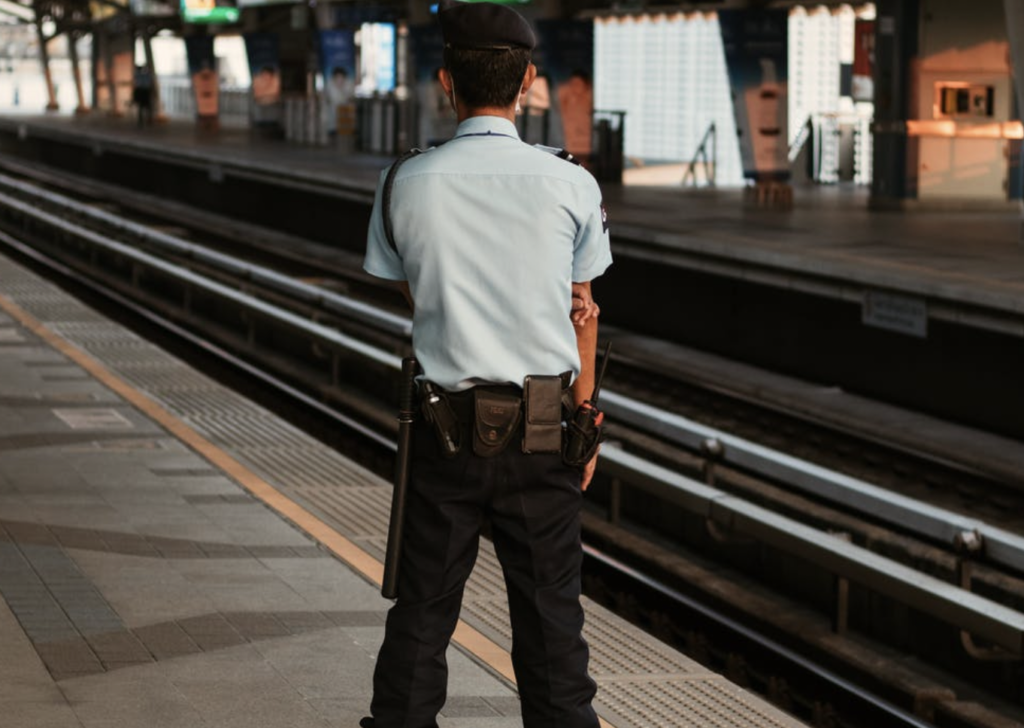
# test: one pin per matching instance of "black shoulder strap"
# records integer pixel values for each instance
(567, 156)
(389, 182)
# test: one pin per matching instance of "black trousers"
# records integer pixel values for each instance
(533, 505)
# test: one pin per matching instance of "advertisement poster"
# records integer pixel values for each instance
(565, 57)
(377, 58)
(436, 119)
(864, 60)
(202, 67)
(265, 67)
(338, 65)
(756, 56)
(337, 52)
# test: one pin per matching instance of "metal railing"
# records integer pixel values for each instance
(179, 102)
(837, 147)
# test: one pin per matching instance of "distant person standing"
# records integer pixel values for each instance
(142, 95)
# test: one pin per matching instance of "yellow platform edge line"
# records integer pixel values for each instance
(469, 638)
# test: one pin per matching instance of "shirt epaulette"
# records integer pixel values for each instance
(567, 156)
(560, 153)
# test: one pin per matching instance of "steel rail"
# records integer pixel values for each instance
(313, 295)
(944, 526)
(882, 708)
(247, 302)
(947, 602)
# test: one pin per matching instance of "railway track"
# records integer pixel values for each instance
(338, 377)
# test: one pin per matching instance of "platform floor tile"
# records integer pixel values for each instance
(158, 592)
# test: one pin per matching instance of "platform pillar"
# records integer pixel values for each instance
(158, 106)
(108, 64)
(896, 41)
(76, 72)
(1015, 27)
(44, 58)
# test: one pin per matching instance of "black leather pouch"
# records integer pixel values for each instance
(495, 421)
(543, 430)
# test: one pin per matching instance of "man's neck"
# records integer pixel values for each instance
(503, 113)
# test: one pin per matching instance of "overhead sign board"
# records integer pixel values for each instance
(209, 11)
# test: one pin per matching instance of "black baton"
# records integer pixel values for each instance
(406, 417)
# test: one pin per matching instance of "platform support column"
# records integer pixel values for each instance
(108, 64)
(44, 58)
(1015, 31)
(76, 72)
(1015, 28)
(896, 46)
(158, 106)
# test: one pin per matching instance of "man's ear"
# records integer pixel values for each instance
(528, 78)
(446, 81)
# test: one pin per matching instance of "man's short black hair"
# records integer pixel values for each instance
(487, 78)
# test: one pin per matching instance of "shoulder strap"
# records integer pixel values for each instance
(389, 182)
(560, 153)
(567, 156)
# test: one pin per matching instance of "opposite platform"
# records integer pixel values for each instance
(967, 266)
(148, 577)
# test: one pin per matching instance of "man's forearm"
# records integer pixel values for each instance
(586, 344)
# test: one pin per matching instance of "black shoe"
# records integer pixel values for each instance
(366, 723)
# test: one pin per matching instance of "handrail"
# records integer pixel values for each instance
(710, 169)
(801, 138)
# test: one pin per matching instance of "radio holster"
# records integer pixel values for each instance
(543, 430)
(584, 434)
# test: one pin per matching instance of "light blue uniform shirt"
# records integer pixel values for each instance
(490, 233)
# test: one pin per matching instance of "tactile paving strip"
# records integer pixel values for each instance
(701, 703)
(643, 683)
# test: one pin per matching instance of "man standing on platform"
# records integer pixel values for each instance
(490, 239)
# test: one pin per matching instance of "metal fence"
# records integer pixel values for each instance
(179, 102)
(834, 148)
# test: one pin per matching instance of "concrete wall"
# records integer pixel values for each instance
(962, 156)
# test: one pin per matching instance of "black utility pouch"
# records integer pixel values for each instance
(495, 421)
(543, 431)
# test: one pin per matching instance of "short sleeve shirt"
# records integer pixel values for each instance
(491, 232)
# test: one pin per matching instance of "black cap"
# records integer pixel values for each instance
(483, 25)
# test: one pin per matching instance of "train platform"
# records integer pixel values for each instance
(173, 555)
(963, 267)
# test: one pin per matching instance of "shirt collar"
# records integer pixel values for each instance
(487, 125)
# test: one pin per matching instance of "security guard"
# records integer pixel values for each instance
(491, 237)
